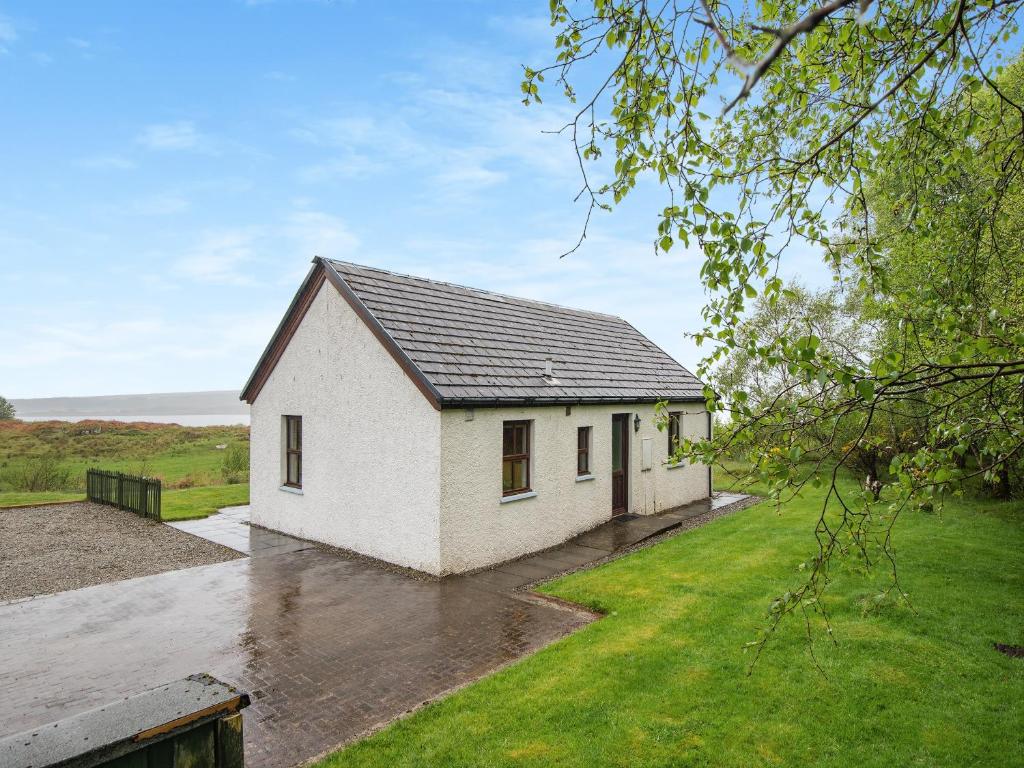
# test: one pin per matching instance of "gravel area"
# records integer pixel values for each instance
(68, 546)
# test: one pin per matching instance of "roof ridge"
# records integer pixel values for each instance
(475, 290)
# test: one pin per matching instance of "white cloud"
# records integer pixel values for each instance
(491, 143)
(220, 257)
(536, 28)
(280, 77)
(467, 174)
(351, 165)
(314, 233)
(106, 162)
(180, 135)
(236, 256)
(164, 204)
(451, 136)
(8, 34)
(388, 132)
(151, 342)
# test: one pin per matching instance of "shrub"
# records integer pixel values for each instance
(235, 466)
(44, 473)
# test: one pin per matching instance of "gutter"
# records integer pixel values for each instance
(527, 401)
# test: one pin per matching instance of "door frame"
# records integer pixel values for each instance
(624, 419)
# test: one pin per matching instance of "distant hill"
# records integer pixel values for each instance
(218, 402)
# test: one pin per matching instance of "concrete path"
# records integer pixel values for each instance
(327, 646)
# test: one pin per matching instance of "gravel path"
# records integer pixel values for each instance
(67, 546)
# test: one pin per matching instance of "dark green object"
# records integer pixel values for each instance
(132, 492)
(190, 723)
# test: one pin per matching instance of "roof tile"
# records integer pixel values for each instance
(480, 347)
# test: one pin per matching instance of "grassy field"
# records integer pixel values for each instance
(46, 461)
(178, 455)
(662, 679)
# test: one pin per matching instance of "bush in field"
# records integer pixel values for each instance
(44, 473)
(235, 467)
(6, 410)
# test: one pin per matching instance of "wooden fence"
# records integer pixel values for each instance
(136, 494)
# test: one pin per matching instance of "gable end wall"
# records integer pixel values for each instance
(371, 443)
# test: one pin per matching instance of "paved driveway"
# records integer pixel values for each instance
(327, 646)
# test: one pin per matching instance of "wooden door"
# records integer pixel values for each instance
(620, 462)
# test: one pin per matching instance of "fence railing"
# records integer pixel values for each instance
(132, 492)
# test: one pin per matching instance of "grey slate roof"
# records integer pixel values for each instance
(478, 347)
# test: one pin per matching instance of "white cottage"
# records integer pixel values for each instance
(445, 428)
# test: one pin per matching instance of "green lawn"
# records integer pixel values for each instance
(662, 679)
(183, 504)
(15, 498)
(190, 503)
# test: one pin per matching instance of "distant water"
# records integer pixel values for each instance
(186, 419)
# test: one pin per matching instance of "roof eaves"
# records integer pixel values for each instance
(285, 330)
(500, 402)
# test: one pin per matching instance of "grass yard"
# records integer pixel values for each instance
(180, 504)
(662, 679)
(192, 503)
(17, 498)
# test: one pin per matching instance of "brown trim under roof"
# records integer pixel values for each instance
(385, 338)
(285, 330)
(451, 402)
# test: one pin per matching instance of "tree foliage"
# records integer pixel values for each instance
(888, 136)
(6, 409)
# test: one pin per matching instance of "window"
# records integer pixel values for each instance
(515, 459)
(675, 424)
(293, 451)
(583, 451)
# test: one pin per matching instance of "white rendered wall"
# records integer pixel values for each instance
(370, 443)
(478, 530)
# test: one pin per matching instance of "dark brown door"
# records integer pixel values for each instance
(620, 462)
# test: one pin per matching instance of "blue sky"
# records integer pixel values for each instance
(170, 169)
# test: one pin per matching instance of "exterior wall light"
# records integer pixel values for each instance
(636, 423)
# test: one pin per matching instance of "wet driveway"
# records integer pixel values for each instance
(326, 646)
